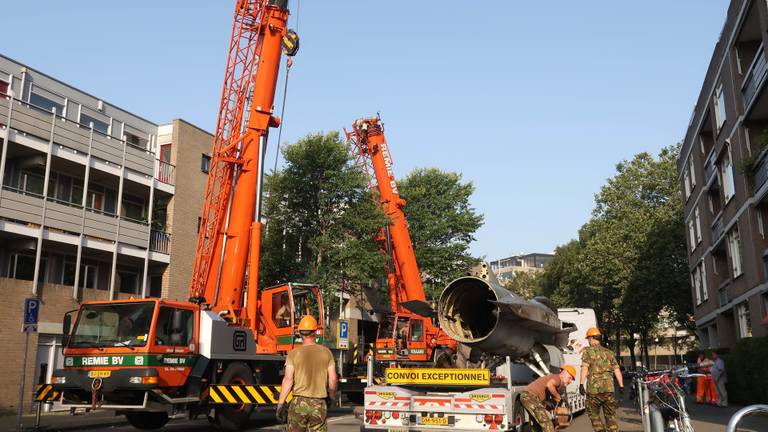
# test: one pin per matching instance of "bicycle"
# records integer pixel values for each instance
(662, 400)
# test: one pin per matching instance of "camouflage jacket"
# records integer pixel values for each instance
(600, 362)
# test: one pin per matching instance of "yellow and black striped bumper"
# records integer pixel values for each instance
(46, 393)
(243, 394)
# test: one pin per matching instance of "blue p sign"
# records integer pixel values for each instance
(31, 314)
(344, 330)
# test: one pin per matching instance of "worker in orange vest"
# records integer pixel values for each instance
(705, 387)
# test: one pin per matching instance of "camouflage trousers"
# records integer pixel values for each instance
(307, 415)
(606, 401)
(534, 406)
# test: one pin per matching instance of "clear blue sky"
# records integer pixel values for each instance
(534, 102)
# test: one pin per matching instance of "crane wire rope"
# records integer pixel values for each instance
(289, 62)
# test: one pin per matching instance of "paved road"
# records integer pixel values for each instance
(705, 419)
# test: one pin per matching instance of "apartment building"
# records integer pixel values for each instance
(90, 209)
(723, 172)
(506, 268)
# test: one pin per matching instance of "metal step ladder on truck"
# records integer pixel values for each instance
(508, 342)
(220, 353)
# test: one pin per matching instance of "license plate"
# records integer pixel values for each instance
(99, 374)
(434, 421)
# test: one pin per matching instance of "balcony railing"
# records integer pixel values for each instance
(717, 228)
(755, 77)
(166, 172)
(159, 241)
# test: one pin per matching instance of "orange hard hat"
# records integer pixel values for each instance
(594, 331)
(308, 323)
(571, 370)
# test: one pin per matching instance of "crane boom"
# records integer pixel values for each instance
(230, 229)
(370, 149)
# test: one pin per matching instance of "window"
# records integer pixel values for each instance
(46, 100)
(205, 163)
(687, 183)
(694, 285)
(417, 330)
(693, 172)
(95, 200)
(734, 251)
(98, 125)
(165, 153)
(133, 208)
(68, 274)
(726, 174)
(164, 332)
(31, 183)
(129, 281)
(88, 273)
(692, 235)
(135, 137)
(22, 267)
(698, 225)
(719, 107)
(744, 320)
(3, 87)
(281, 309)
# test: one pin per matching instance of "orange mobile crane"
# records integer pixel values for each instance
(224, 348)
(403, 335)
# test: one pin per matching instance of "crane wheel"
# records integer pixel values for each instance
(146, 420)
(235, 417)
(443, 358)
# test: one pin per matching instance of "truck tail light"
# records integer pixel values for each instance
(498, 419)
(395, 415)
(387, 414)
(488, 418)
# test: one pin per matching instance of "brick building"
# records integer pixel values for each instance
(723, 171)
(91, 207)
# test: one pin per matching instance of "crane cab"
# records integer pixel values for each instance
(402, 337)
(282, 307)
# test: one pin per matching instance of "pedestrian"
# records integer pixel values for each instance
(720, 378)
(311, 374)
(598, 367)
(536, 396)
(705, 388)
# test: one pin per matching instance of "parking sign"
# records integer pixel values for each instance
(343, 335)
(31, 313)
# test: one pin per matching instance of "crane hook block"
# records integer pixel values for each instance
(290, 43)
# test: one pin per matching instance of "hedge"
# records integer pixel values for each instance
(747, 368)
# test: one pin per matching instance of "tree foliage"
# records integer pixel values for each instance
(320, 218)
(442, 224)
(630, 260)
(525, 284)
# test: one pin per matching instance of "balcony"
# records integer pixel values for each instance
(160, 241)
(717, 228)
(166, 172)
(68, 133)
(753, 80)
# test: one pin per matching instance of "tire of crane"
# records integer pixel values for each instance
(443, 358)
(147, 420)
(235, 417)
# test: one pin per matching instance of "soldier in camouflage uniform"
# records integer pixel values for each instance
(311, 374)
(543, 395)
(598, 366)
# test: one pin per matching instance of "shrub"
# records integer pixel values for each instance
(747, 371)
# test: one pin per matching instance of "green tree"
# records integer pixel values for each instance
(524, 284)
(442, 224)
(630, 261)
(320, 219)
